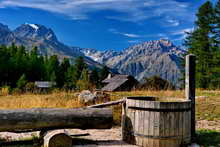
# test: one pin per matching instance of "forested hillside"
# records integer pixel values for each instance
(19, 68)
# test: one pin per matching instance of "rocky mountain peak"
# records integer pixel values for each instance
(4, 30)
(165, 42)
(35, 31)
(4, 27)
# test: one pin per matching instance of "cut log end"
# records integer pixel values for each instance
(57, 138)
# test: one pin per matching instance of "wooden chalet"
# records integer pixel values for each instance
(119, 83)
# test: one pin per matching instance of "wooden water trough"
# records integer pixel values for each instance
(155, 122)
(162, 122)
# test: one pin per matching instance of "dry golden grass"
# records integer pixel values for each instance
(207, 108)
(54, 100)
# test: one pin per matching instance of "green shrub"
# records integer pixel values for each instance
(5, 90)
(30, 87)
(156, 83)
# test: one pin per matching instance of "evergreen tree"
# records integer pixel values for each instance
(94, 78)
(83, 83)
(74, 72)
(79, 66)
(70, 78)
(36, 69)
(217, 23)
(52, 68)
(62, 73)
(200, 43)
(22, 81)
(104, 73)
(216, 36)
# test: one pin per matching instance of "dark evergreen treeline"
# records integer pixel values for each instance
(204, 42)
(19, 68)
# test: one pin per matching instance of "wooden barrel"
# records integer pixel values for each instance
(155, 122)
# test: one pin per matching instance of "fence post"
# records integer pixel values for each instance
(190, 89)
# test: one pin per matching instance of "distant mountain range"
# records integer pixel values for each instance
(146, 59)
(158, 57)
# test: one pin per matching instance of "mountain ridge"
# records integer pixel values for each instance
(30, 35)
(157, 57)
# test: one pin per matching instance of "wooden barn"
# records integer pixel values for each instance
(119, 83)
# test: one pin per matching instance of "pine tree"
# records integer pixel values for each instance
(62, 73)
(215, 81)
(200, 43)
(83, 83)
(70, 78)
(104, 73)
(22, 81)
(217, 23)
(94, 78)
(52, 68)
(79, 66)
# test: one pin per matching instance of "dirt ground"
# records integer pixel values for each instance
(81, 138)
(92, 138)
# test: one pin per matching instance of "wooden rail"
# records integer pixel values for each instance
(108, 104)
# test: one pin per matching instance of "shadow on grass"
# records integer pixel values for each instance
(208, 138)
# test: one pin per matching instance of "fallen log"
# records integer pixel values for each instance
(20, 120)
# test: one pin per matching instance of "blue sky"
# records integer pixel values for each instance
(105, 24)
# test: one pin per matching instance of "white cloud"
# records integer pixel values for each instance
(173, 22)
(182, 32)
(129, 35)
(134, 41)
(130, 10)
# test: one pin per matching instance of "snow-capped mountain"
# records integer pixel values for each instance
(159, 57)
(44, 38)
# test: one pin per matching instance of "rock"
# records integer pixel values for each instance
(76, 94)
(87, 97)
(102, 96)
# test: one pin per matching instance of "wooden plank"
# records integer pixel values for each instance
(141, 123)
(168, 125)
(185, 121)
(146, 126)
(151, 128)
(190, 89)
(108, 104)
(162, 128)
(156, 125)
(177, 127)
(137, 121)
(124, 122)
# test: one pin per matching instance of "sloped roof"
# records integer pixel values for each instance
(115, 78)
(114, 85)
(44, 84)
(116, 81)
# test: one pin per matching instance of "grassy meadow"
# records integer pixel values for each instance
(207, 106)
